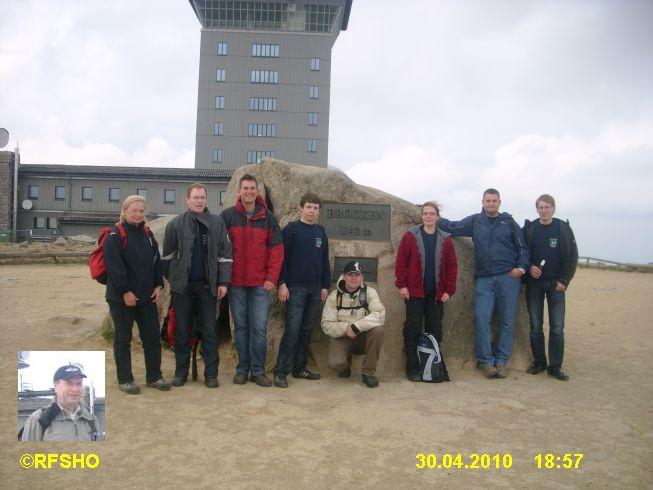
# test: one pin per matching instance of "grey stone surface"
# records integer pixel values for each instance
(82, 238)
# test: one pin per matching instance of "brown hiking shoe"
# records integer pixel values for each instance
(489, 371)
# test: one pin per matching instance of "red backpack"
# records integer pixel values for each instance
(168, 335)
(96, 259)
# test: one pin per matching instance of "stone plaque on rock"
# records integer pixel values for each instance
(368, 264)
(354, 221)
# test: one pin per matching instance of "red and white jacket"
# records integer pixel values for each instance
(257, 244)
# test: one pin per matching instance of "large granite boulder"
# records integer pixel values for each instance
(283, 184)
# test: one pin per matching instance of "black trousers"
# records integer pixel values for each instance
(206, 310)
(147, 319)
(421, 311)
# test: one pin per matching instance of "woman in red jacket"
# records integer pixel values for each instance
(425, 271)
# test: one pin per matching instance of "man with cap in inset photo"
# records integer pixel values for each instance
(353, 317)
(66, 419)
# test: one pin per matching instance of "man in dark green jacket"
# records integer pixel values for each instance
(554, 257)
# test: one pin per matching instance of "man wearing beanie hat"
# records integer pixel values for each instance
(353, 317)
(65, 419)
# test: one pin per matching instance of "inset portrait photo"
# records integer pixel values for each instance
(61, 396)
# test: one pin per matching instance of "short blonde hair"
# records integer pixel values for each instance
(125, 205)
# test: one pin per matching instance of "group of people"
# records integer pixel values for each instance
(544, 254)
(243, 253)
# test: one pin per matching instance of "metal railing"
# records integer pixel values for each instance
(613, 264)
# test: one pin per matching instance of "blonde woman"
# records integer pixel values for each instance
(134, 282)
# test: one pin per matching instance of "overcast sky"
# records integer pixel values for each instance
(430, 100)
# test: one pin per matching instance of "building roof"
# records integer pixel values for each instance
(343, 24)
(91, 171)
(95, 218)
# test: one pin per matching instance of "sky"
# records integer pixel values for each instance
(429, 100)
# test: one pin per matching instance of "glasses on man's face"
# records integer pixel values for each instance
(198, 198)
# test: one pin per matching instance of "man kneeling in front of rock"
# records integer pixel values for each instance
(353, 317)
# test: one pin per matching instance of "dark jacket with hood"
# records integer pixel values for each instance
(135, 268)
(178, 248)
(568, 250)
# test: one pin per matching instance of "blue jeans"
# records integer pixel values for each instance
(503, 291)
(536, 291)
(301, 311)
(249, 309)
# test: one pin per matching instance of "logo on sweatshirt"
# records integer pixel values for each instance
(553, 242)
(318, 242)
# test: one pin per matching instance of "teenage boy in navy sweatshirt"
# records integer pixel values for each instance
(304, 282)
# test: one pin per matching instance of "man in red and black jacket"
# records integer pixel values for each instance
(257, 247)
(426, 269)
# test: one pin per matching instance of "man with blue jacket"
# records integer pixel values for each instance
(501, 259)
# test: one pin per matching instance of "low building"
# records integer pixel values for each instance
(69, 200)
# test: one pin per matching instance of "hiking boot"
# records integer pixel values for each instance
(262, 380)
(159, 384)
(130, 388)
(211, 382)
(280, 381)
(489, 371)
(306, 374)
(414, 377)
(535, 369)
(240, 378)
(370, 380)
(558, 374)
(502, 371)
(345, 373)
(178, 381)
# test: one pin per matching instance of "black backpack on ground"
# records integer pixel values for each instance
(431, 363)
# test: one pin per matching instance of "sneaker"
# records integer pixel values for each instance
(345, 373)
(502, 371)
(130, 388)
(160, 384)
(178, 381)
(211, 382)
(306, 374)
(370, 380)
(280, 381)
(558, 374)
(535, 369)
(489, 371)
(240, 378)
(414, 377)
(262, 380)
